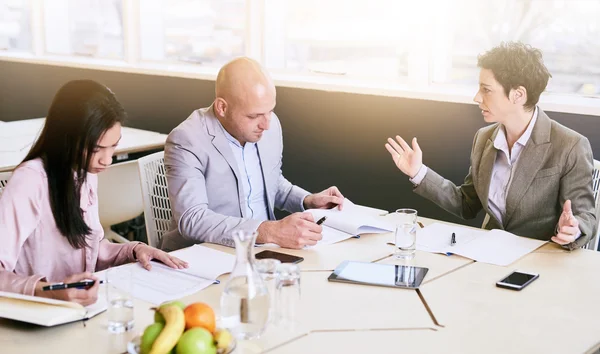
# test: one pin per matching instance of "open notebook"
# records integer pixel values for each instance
(46, 312)
(162, 283)
(352, 220)
(497, 247)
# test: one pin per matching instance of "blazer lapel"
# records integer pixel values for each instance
(263, 154)
(222, 145)
(486, 165)
(530, 162)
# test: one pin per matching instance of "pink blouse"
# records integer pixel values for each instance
(31, 246)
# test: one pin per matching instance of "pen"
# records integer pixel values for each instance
(80, 285)
(321, 220)
(453, 239)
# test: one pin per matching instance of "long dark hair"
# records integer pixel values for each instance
(81, 112)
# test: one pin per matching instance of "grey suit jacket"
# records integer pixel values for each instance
(556, 164)
(206, 194)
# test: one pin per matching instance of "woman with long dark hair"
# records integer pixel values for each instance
(49, 225)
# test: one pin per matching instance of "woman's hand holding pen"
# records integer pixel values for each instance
(84, 297)
(568, 226)
(408, 160)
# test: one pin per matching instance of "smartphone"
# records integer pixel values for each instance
(517, 280)
(283, 257)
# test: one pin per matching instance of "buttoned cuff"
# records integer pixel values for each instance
(419, 176)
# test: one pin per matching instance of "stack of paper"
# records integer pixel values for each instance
(495, 247)
(162, 283)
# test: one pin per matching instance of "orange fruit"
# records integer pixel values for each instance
(200, 314)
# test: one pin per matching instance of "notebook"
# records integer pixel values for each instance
(351, 221)
(162, 283)
(46, 312)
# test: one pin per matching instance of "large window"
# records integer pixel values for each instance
(568, 33)
(15, 25)
(91, 28)
(417, 45)
(203, 32)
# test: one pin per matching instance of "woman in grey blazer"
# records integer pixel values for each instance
(531, 175)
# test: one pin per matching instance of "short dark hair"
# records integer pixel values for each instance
(517, 64)
(81, 112)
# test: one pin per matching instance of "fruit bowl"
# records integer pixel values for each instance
(133, 347)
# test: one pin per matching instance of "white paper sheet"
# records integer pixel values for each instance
(495, 247)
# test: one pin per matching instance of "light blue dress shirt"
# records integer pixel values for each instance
(249, 166)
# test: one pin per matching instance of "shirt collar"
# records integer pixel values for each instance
(229, 137)
(500, 142)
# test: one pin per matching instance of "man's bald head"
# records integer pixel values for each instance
(245, 99)
(241, 78)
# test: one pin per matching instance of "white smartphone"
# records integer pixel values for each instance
(517, 280)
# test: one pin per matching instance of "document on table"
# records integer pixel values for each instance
(495, 247)
(162, 283)
(352, 220)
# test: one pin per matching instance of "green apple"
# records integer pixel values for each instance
(196, 341)
(159, 318)
(150, 334)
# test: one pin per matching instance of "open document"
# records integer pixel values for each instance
(162, 283)
(46, 312)
(495, 247)
(352, 220)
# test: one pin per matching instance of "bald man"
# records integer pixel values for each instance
(223, 167)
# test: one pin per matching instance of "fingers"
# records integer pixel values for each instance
(81, 276)
(179, 262)
(330, 199)
(144, 260)
(392, 151)
(415, 146)
(165, 258)
(403, 143)
(305, 216)
(395, 146)
(567, 207)
(568, 230)
(559, 241)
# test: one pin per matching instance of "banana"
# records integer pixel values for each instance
(174, 326)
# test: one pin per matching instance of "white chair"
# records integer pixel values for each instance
(119, 197)
(4, 177)
(157, 208)
(593, 244)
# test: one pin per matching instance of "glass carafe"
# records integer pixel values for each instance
(245, 299)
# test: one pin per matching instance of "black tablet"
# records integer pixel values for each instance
(390, 275)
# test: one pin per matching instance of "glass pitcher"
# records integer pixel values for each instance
(245, 299)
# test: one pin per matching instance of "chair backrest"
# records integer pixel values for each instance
(157, 208)
(4, 177)
(593, 244)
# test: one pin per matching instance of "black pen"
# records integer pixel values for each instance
(453, 240)
(80, 285)
(321, 220)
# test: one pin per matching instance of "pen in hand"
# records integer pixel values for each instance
(79, 285)
(321, 220)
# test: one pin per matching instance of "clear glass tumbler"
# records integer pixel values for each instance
(405, 233)
(288, 295)
(267, 268)
(119, 288)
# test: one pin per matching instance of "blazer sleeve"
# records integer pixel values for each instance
(576, 185)
(189, 200)
(19, 216)
(461, 201)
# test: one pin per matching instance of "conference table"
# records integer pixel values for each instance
(458, 308)
(16, 138)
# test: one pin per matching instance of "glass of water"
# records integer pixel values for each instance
(267, 268)
(287, 284)
(119, 288)
(405, 233)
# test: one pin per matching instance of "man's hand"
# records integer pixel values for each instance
(568, 226)
(84, 297)
(408, 160)
(327, 199)
(294, 231)
(144, 254)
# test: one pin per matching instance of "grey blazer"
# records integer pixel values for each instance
(556, 164)
(207, 197)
